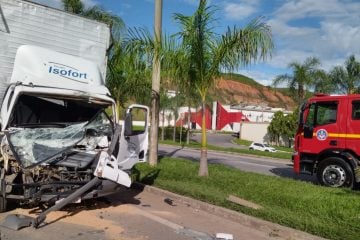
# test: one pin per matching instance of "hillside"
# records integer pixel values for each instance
(237, 88)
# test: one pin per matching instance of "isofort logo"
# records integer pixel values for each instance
(67, 72)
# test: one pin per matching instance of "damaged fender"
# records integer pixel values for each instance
(108, 168)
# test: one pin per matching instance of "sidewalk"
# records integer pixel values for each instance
(210, 219)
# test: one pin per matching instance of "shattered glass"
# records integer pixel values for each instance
(34, 145)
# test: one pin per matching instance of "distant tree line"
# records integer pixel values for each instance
(307, 78)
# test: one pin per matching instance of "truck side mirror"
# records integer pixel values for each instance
(308, 131)
(128, 124)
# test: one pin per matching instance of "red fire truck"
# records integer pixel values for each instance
(327, 142)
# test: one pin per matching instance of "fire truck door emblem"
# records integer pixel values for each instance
(321, 134)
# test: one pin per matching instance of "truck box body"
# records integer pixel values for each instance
(27, 23)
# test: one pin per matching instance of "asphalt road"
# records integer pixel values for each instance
(262, 165)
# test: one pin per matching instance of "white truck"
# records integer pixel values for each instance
(58, 140)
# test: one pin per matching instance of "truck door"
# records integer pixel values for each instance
(321, 129)
(132, 147)
(353, 125)
(134, 137)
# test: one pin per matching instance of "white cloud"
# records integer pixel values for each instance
(331, 32)
(241, 10)
(263, 78)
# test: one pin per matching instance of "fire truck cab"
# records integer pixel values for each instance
(327, 142)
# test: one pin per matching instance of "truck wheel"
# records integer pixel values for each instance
(335, 172)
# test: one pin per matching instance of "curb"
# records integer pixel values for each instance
(272, 229)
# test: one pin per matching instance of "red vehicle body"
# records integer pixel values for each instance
(327, 142)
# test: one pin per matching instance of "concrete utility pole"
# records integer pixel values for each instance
(155, 89)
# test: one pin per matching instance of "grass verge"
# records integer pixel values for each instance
(196, 145)
(243, 142)
(327, 212)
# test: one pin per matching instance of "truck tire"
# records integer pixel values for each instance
(335, 172)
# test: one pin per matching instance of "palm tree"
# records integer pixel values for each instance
(128, 76)
(116, 24)
(73, 6)
(323, 83)
(209, 53)
(303, 76)
(127, 73)
(347, 80)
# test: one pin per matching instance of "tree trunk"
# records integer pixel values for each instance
(203, 170)
(188, 126)
(181, 127)
(174, 130)
(118, 108)
(163, 126)
(155, 89)
(301, 94)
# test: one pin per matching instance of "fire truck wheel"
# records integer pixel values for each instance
(335, 172)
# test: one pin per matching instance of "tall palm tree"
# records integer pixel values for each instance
(209, 53)
(303, 76)
(347, 79)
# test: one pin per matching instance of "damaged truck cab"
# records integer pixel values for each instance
(59, 130)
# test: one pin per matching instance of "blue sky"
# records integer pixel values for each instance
(327, 29)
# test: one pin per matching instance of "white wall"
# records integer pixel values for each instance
(256, 132)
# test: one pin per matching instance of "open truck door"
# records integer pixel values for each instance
(134, 138)
(132, 147)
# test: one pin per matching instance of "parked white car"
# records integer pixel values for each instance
(261, 147)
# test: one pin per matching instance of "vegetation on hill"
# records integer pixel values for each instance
(241, 79)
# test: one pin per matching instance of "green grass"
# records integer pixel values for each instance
(196, 145)
(285, 149)
(242, 142)
(327, 212)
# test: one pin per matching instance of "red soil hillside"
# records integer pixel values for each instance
(236, 89)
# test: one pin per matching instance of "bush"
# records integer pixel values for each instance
(169, 132)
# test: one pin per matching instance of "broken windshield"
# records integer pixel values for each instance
(35, 145)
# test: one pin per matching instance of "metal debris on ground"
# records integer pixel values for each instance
(224, 236)
(169, 201)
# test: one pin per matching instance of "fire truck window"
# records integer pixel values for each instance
(310, 117)
(355, 110)
(326, 113)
